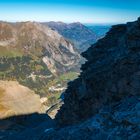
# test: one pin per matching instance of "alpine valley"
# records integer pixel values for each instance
(36, 57)
(41, 58)
(103, 103)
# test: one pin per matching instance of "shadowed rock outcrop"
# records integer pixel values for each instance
(29, 127)
(111, 74)
(104, 102)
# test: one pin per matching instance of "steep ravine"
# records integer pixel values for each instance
(104, 102)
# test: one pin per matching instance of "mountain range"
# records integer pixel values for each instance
(42, 56)
(80, 35)
(38, 58)
(36, 40)
(102, 103)
(37, 61)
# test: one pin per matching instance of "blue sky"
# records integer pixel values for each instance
(85, 11)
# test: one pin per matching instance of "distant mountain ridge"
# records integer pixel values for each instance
(81, 36)
(37, 40)
(100, 30)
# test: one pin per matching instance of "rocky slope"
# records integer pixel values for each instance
(103, 103)
(81, 36)
(16, 99)
(108, 87)
(39, 41)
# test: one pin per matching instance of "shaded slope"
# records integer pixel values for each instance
(23, 127)
(110, 74)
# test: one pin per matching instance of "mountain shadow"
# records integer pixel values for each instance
(25, 126)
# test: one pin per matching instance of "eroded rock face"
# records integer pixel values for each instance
(117, 121)
(111, 73)
(32, 38)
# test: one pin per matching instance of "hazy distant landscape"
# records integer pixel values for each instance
(100, 30)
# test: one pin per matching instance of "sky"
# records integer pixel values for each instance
(85, 11)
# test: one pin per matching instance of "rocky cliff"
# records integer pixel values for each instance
(103, 103)
(108, 87)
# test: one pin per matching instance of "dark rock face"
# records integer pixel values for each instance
(111, 75)
(25, 127)
(119, 121)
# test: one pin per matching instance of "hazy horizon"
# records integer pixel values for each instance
(91, 11)
(88, 24)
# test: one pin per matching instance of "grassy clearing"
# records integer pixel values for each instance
(63, 80)
(67, 77)
(57, 95)
(9, 52)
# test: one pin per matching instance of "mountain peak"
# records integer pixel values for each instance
(81, 36)
(31, 36)
(76, 23)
